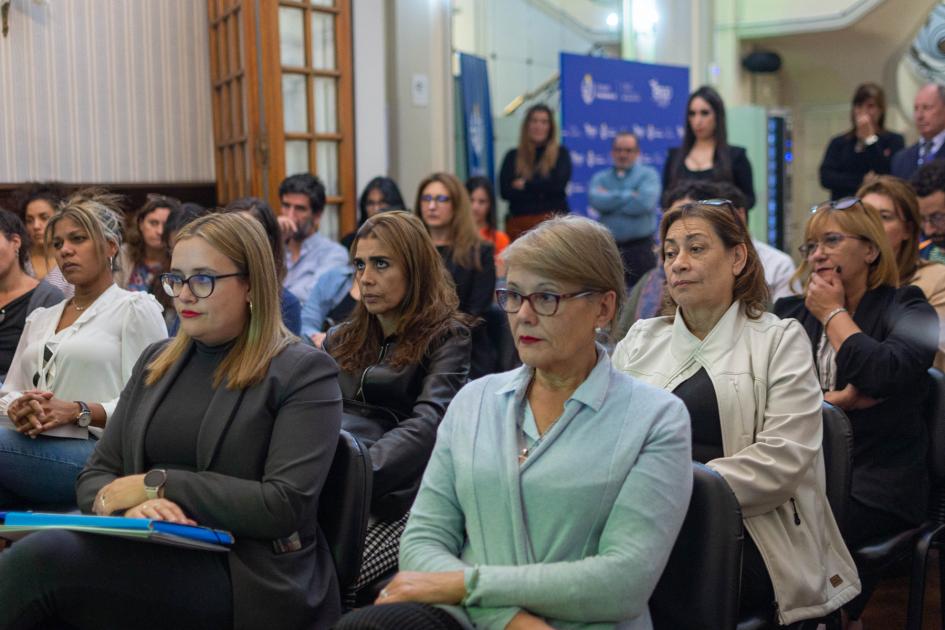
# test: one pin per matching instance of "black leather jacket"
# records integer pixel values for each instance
(396, 412)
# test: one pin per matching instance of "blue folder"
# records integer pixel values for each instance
(177, 534)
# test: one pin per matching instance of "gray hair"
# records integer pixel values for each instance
(97, 212)
(574, 249)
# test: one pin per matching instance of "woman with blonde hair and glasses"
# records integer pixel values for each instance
(898, 208)
(872, 343)
(535, 174)
(73, 359)
(443, 206)
(556, 490)
(232, 424)
(747, 379)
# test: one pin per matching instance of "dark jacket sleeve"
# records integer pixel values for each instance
(833, 176)
(669, 178)
(401, 454)
(887, 367)
(507, 176)
(741, 175)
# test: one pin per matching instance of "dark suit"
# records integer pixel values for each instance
(263, 454)
(905, 162)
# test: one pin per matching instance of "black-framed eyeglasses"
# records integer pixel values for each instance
(200, 284)
(542, 302)
(829, 241)
(837, 204)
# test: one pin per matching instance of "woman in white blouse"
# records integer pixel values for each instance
(72, 360)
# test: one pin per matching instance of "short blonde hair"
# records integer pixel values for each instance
(98, 213)
(242, 240)
(858, 220)
(571, 249)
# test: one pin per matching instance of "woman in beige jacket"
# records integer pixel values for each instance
(748, 381)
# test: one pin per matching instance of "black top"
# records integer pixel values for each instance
(698, 394)
(12, 319)
(887, 361)
(740, 177)
(476, 289)
(844, 167)
(541, 194)
(396, 412)
(171, 437)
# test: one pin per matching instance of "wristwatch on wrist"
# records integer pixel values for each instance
(154, 480)
(84, 419)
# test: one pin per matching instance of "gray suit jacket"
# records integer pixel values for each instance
(263, 454)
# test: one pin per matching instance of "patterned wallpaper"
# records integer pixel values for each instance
(106, 91)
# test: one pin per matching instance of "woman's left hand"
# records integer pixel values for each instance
(426, 588)
(160, 510)
(824, 294)
(121, 494)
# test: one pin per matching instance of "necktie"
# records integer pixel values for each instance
(924, 150)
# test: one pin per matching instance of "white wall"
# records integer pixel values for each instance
(371, 110)
(110, 91)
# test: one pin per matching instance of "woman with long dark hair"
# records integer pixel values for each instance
(380, 194)
(443, 206)
(143, 256)
(534, 175)
(403, 354)
(482, 204)
(705, 152)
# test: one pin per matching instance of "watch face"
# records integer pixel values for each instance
(155, 478)
(85, 419)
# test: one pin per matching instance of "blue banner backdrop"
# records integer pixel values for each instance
(600, 97)
(477, 116)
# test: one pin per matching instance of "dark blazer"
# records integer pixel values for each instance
(843, 167)
(396, 412)
(541, 194)
(263, 454)
(888, 361)
(905, 162)
(741, 172)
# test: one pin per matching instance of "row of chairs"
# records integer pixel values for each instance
(710, 542)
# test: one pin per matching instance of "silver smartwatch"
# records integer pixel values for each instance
(84, 419)
(154, 480)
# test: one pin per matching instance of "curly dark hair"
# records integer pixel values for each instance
(11, 225)
(929, 179)
(52, 193)
(308, 185)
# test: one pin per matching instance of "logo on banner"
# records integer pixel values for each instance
(587, 89)
(662, 95)
(477, 135)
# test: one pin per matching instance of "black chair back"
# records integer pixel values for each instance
(935, 416)
(345, 505)
(838, 460)
(699, 587)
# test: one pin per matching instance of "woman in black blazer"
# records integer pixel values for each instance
(248, 454)
(404, 352)
(706, 153)
(866, 148)
(872, 345)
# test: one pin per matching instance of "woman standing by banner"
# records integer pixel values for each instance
(706, 153)
(535, 174)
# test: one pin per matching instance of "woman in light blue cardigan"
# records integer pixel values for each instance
(555, 491)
